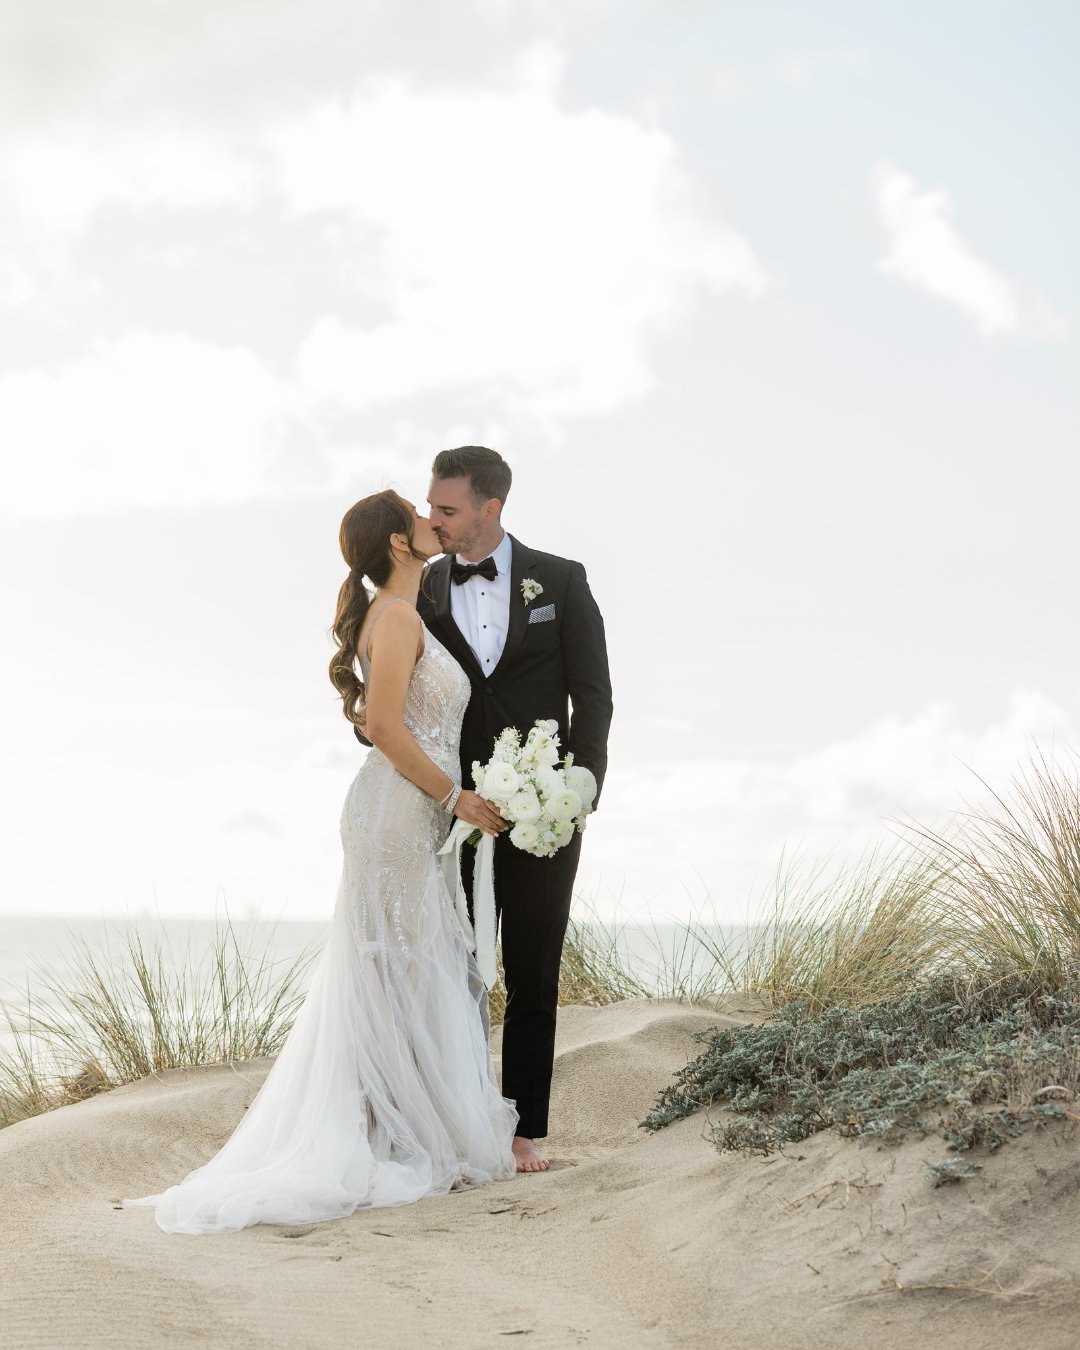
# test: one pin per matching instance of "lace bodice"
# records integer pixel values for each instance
(436, 700)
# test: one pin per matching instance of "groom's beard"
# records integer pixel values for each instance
(459, 545)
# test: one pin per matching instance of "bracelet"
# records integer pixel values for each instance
(450, 800)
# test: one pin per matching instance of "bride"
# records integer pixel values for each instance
(384, 1090)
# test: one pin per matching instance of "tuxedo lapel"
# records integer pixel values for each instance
(438, 583)
(523, 563)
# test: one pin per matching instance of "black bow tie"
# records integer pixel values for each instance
(463, 571)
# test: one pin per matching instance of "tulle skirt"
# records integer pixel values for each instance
(384, 1090)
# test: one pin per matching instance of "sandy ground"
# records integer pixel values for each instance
(630, 1241)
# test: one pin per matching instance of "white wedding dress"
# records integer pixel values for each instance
(384, 1090)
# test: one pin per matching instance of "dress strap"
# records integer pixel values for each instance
(375, 619)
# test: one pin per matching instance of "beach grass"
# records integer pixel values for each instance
(1008, 893)
(853, 933)
(110, 1018)
(993, 897)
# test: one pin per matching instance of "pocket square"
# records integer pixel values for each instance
(542, 614)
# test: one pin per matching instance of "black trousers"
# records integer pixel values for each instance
(532, 907)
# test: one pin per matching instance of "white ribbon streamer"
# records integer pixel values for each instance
(481, 939)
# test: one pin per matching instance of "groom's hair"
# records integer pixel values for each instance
(488, 473)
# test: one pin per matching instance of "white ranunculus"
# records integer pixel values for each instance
(524, 835)
(563, 829)
(583, 783)
(525, 806)
(501, 781)
(548, 780)
(564, 805)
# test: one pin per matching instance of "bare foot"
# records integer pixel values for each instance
(528, 1156)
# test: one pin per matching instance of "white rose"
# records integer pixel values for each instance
(564, 805)
(524, 835)
(583, 783)
(501, 781)
(525, 806)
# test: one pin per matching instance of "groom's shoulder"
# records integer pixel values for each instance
(555, 561)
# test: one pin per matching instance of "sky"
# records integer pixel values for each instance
(772, 309)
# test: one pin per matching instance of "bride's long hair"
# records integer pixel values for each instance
(364, 538)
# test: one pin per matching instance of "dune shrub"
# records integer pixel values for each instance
(975, 1063)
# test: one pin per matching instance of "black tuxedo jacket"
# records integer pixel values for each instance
(545, 668)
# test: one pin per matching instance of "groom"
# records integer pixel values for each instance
(526, 658)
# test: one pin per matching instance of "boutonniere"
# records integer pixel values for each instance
(531, 589)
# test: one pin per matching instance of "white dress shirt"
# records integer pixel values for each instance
(481, 608)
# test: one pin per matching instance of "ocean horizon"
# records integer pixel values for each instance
(35, 949)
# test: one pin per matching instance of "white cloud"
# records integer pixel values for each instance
(148, 420)
(730, 821)
(925, 251)
(522, 248)
(57, 184)
(508, 250)
(52, 187)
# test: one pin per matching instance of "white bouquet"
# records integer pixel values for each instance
(544, 802)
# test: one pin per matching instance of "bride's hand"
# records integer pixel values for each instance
(476, 810)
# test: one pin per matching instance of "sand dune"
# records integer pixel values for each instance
(631, 1241)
